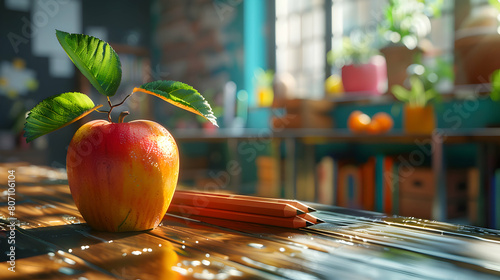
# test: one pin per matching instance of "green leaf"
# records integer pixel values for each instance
(495, 85)
(181, 95)
(495, 4)
(96, 60)
(417, 91)
(430, 94)
(56, 112)
(400, 93)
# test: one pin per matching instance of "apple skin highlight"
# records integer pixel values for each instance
(122, 176)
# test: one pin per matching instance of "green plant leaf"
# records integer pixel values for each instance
(417, 91)
(95, 59)
(430, 94)
(495, 85)
(495, 4)
(401, 93)
(180, 95)
(56, 112)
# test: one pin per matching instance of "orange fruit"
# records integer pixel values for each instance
(358, 122)
(384, 121)
(374, 127)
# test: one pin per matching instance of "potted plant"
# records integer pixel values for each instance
(363, 68)
(404, 28)
(476, 43)
(418, 114)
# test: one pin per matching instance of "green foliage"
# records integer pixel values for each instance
(425, 80)
(180, 95)
(417, 96)
(264, 78)
(101, 65)
(56, 112)
(352, 52)
(95, 59)
(495, 3)
(407, 21)
(432, 73)
(495, 85)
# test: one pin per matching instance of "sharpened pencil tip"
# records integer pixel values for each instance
(310, 209)
(308, 224)
(319, 221)
(300, 212)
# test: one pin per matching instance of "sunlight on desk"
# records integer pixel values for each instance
(53, 241)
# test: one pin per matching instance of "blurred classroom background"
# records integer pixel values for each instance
(389, 106)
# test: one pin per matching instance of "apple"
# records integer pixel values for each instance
(122, 176)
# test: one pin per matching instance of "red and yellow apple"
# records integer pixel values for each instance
(122, 176)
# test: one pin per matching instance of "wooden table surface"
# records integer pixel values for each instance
(53, 242)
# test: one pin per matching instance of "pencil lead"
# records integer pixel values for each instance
(300, 212)
(308, 224)
(310, 209)
(319, 221)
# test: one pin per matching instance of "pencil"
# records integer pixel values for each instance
(287, 222)
(297, 204)
(238, 204)
(311, 218)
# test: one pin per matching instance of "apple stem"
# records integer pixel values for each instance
(111, 106)
(110, 109)
(122, 116)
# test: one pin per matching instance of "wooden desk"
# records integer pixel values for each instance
(53, 242)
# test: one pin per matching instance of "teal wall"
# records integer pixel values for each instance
(464, 114)
(255, 43)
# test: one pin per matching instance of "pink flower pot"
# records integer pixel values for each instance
(366, 79)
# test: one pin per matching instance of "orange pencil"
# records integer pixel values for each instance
(311, 218)
(269, 208)
(288, 222)
(297, 204)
